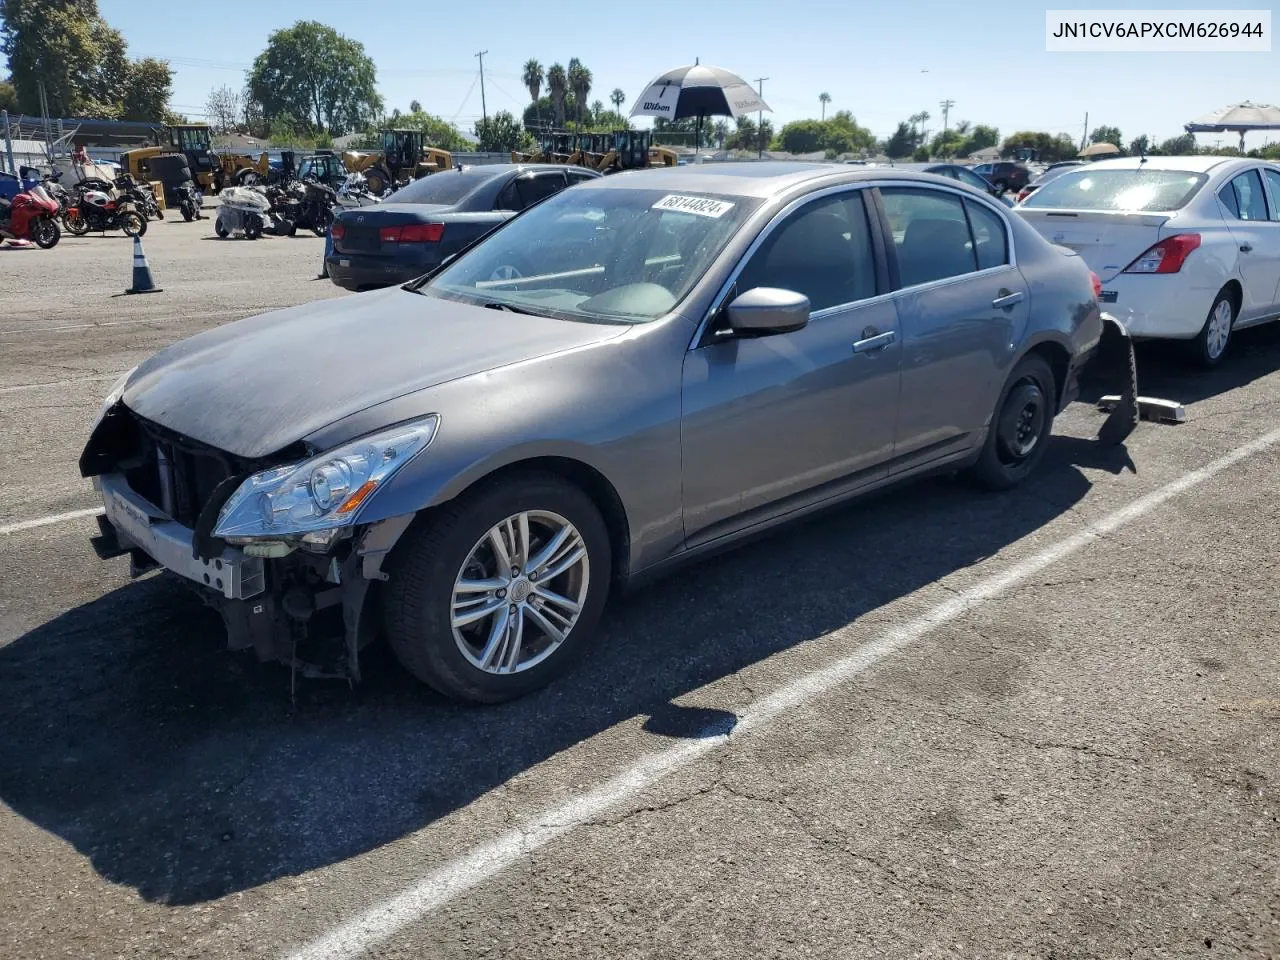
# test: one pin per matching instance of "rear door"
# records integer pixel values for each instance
(1257, 238)
(962, 306)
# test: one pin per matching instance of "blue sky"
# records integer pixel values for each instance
(872, 59)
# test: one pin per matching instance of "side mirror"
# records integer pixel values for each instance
(768, 310)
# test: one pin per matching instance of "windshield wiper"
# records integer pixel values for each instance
(510, 308)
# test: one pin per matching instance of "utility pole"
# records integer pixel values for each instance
(484, 112)
(1085, 136)
(8, 144)
(760, 119)
(946, 106)
(44, 114)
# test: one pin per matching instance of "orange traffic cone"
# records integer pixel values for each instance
(142, 281)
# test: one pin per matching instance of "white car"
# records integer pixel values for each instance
(1187, 248)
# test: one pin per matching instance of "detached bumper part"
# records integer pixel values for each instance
(1117, 364)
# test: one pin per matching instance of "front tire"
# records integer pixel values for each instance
(46, 233)
(76, 224)
(1020, 426)
(499, 593)
(252, 228)
(1209, 347)
(133, 224)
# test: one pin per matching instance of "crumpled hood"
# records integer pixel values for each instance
(255, 386)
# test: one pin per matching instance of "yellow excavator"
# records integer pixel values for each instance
(605, 152)
(403, 157)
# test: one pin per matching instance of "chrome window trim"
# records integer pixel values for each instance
(717, 302)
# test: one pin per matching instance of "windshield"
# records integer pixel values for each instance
(614, 254)
(1136, 191)
(450, 186)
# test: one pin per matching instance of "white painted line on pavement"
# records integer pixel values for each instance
(63, 383)
(48, 521)
(379, 922)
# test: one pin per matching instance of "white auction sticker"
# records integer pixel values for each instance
(702, 206)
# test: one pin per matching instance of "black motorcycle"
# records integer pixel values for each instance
(317, 203)
(140, 194)
(93, 208)
(190, 201)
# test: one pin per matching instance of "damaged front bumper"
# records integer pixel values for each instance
(299, 606)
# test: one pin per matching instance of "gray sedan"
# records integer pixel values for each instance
(633, 373)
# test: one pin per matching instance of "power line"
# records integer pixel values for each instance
(462, 106)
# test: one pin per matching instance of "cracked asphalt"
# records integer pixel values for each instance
(1084, 766)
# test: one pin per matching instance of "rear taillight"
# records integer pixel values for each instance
(1097, 284)
(1023, 194)
(1167, 256)
(337, 231)
(412, 233)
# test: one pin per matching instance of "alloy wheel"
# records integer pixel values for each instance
(1219, 332)
(520, 592)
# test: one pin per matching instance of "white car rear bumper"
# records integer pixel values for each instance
(1159, 306)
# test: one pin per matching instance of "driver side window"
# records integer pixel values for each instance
(822, 250)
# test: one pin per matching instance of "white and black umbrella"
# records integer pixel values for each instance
(698, 91)
(1238, 118)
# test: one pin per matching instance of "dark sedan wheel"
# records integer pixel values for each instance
(499, 593)
(1020, 427)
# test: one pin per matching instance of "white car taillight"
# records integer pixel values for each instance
(1167, 256)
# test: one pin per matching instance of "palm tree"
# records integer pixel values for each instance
(824, 98)
(580, 83)
(720, 131)
(532, 78)
(963, 128)
(597, 110)
(617, 98)
(558, 84)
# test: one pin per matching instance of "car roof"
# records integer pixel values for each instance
(1193, 164)
(497, 169)
(751, 178)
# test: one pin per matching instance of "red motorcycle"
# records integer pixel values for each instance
(31, 215)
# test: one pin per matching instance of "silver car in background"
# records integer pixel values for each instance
(633, 373)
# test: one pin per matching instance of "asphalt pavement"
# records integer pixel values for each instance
(939, 723)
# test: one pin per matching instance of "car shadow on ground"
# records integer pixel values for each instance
(186, 773)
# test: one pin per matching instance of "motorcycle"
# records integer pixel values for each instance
(94, 209)
(190, 201)
(30, 215)
(247, 210)
(318, 200)
(52, 184)
(141, 195)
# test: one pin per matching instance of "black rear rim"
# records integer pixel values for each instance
(1022, 422)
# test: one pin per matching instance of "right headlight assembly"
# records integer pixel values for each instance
(325, 492)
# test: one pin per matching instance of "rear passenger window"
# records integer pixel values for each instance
(1273, 181)
(1244, 198)
(539, 188)
(990, 241)
(930, 234)
(822, 250)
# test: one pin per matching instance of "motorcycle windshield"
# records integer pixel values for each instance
(40, 193)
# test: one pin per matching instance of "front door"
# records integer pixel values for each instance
(771, 423)
(962, 306)
(1257, 237)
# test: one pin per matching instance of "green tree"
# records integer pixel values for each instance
(579, 78)
(617, 98)
(901, 143)
(824, 98)
(948, 143)
(146, 92)
(1107, 135)
(921, 155)
(532, 78)
(979, 138)
(558, 85)
(436, 132)
(1140, 145)
(501, 133)
(415, 106)
(843, 135)
(721, 132)
(8, 96)
(1182, 146)
(311, 71)
(802, 136)
(1050, 147)
(744, 136)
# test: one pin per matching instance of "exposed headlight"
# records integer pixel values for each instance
(113, 397)
(325, 492)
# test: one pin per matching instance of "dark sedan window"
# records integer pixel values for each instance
(990, 237)
(973, 180)
(822, 250)
(525, 191)
(930, 233)
(447, 187)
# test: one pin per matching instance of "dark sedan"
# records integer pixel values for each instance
(417, 227)
(954, 171)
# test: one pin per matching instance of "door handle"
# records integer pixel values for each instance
(1246, 247)
(1007, 299)
(872, 342)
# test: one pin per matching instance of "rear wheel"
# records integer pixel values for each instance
(501, 592)
(133, 224)
(252, 227)
(1210, 345)
(1020, 426)
(323, 218)
(220, 229)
